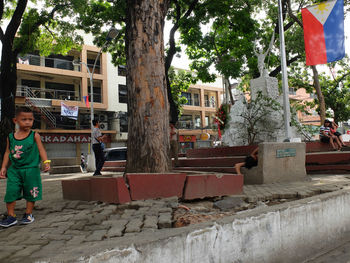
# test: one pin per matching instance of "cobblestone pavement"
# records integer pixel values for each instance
(61, 224)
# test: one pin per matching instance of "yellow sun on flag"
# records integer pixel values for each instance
(321, 8)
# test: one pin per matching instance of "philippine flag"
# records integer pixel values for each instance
(86, 99)
(324, 32)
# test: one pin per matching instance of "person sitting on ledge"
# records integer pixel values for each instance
(326, 136)
(249, 162)
(333, 127)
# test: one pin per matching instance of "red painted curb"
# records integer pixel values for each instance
(111, 190)
(210, 185)
(155, 185)
(78, 189)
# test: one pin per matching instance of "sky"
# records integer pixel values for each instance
(182, 61)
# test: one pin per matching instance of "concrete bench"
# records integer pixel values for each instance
(278, 162)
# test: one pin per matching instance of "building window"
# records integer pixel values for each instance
(123, 93)
(97, 94)
(59, 61)
(186, 122)
(60, 91)
(123, 121)
(207, 122)
(206, 101)
(31, 83)
(188, 96)
(196, 99)
(292, 91)
(122, 71)
(30, 59)
(197, 122)
(212, 101)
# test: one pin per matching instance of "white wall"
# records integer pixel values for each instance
(289, 233)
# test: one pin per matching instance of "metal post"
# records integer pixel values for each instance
(286, 106)
(110, 36)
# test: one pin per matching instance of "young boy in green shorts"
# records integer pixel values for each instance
(24, 149)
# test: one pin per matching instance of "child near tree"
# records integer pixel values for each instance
(24, 149)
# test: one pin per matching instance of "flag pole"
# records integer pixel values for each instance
(286, 106)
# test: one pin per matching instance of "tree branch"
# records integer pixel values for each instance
(278, 69)
(15, 20)
(339, 80)
(172, 46)
(1, 9)
(290, 13)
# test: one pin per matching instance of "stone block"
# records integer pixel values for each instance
(155, 185)
(165, 220)
(210, 185)
(109, 190)
(150, 222)
(230, 202)
(76, 189)
(278, 163)
(134, 225)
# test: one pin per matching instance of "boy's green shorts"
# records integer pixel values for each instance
(23, 183)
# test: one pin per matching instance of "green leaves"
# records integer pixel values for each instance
(180, 81)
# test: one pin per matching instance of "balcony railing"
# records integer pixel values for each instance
(189, 125)
(48, 93)
(58, 63)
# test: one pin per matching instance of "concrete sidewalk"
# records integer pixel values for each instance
(72, 231)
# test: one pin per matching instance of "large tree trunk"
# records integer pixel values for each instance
(8, 72)
(8, 79)
(320, 97)
(148, 110)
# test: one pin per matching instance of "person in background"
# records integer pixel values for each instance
(334, 127)
(97, 140)
(326, 136)
(249, 162)
(24, 150)
(173, 144)
(82, 162)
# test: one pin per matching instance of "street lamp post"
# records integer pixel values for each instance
(112, 33)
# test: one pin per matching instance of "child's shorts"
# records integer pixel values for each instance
(26, 181)
(250, 162)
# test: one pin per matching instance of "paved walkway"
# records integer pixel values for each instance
(61, 225)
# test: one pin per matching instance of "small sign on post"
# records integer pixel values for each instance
(289, 152)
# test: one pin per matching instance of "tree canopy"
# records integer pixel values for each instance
(45, 26)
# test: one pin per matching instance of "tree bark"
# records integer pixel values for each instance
(8, 72)
(148, 108)
(320, 97)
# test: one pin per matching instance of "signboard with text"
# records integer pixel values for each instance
(67, 138)
(289, 152)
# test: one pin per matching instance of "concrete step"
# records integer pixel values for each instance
(65, 169)
(328, 169)
(220, 151)
(231, 169)
(211, 161)
(113, 169)
(328, 158)
(64, 161)
(114, 164)
(246, 150)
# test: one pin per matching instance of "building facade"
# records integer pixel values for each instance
(311, 117)
(197, 127)
(49, 83)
